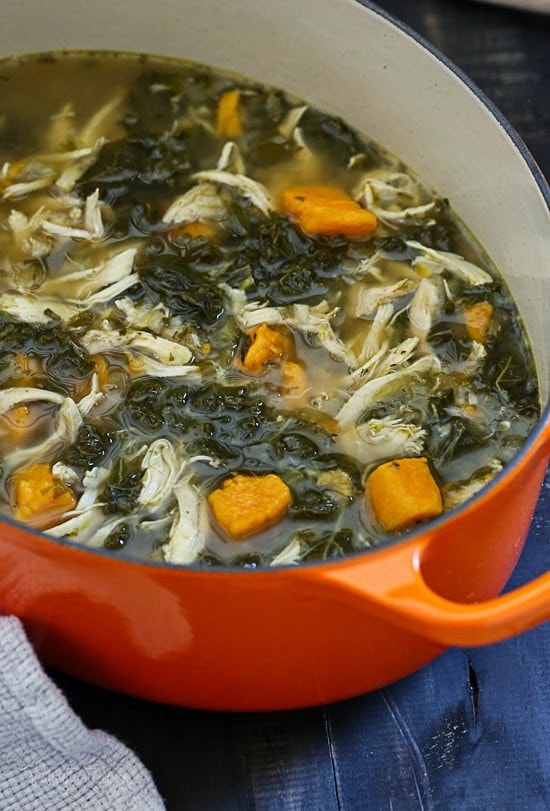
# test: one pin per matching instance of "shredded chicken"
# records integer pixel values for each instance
(69, 420)
(251, 189)
(188, 533)
(373, 390)
(390, 438)
(453, 263)
(161, 471)
(81, 523)
(370, 298)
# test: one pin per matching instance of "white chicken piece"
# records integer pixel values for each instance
(93, 224)
(18, 222)
(19, 395)
(101, 532)
(379, 334)
(452, 262)
(425, 307)
(471, 365)
(87, 516)
(188, 532)
(396, 189)
(160, 348)
(305, 319)
(69, 166)
(456, 493)
(374, 390)
(111, 291)
(68, 178)
(33, 176)
(64, 157)
(155, 368)
(248, 188)
(68, 422)
(98, 341)
(83, 284)
(64, 473)
(385, 361)
(237, 298)
(370, 298)
(141, 316)
(36, 310)
(93, 221)
(291, 121)
(336, 481)
(390, 187)
(230, 159)
(26, 233)
(288, 555)
(389, 438)
(99, 121)
(161, 472)
(367, 266)
(90, 400)
(201, 202)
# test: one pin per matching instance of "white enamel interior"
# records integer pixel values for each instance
(348, 60)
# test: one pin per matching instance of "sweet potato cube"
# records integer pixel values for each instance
(297, 198)
(403, 493)
(228, 120)
(350, 220)
(268, 345)
(327, 210)
(198, 229)
(245, 505)
(40, 498)
(478, 320)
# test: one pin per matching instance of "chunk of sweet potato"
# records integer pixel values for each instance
(268, 345)
(195, 229)
(245, 505)
(228, 119)
(39, 498)
(403, 493)
(327, 210)
(477, 318)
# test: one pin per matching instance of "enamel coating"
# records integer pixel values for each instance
(251, 640)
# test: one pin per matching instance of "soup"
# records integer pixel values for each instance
(234, 330)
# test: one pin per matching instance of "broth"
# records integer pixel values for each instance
(233, 329)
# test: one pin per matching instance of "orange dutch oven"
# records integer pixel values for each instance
(289, 637)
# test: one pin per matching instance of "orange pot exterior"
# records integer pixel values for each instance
(274, 639)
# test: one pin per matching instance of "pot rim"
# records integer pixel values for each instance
(413, 535)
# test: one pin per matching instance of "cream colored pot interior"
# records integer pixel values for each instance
(350, 61)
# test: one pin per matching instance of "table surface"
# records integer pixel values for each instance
(471, 731)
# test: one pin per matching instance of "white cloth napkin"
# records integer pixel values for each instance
(49, 761)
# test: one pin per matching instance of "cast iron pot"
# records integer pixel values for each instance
(291, 637)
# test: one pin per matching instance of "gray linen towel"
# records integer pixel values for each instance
(49, 761)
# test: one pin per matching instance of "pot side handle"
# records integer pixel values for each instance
(396, 588)
(415, 606)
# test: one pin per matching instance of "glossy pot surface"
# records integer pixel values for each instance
(281, 638)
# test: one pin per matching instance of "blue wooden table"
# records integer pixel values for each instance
(471, 731)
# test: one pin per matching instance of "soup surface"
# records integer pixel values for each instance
(233, 329)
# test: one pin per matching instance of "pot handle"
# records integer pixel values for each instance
(413, 605)
(396, 588)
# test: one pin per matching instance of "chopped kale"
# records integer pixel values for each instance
(123, 486)
(93, 447)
